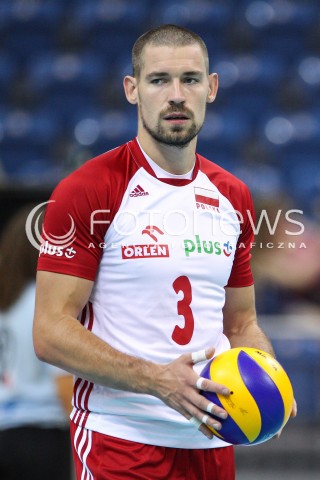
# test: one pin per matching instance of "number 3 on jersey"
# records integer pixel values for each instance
(183, 335)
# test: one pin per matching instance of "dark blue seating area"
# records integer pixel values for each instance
(62, 65)
(61, 70)
(301, 359)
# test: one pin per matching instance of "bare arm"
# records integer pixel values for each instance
(240, 320)
(64, 388)
(60, 339)
(240, 323)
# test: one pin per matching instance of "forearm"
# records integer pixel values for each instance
(240, 320)
(70, 346)
(60, 339)
(64, 388)
(67, 344)
(250, 335)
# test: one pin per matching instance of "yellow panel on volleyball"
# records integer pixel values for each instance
(277, 374)
(240, 405)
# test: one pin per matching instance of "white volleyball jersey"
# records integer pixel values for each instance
(161, 252)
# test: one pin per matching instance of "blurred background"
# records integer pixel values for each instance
(62, 102)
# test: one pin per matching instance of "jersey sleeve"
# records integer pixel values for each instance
(241, 273)
(74, 227)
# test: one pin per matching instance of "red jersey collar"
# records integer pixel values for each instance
(140, 159)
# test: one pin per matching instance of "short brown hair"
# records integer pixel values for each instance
(165, 35)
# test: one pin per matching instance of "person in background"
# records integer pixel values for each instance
(35, 397)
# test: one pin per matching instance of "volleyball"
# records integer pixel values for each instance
(261, 395)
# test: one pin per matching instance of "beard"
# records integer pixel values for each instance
(178, 136)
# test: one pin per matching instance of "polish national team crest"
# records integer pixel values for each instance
(206, 199)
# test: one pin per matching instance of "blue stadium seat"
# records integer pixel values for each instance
(302, 176)
(31, 168)
(222, 134)
(300, 358)
(26, 138)
(306, 70)
(248, 81)
(107, 13)
(112, 128)
(70, 83)
(228, 127)
(202, 16)
(111, 46)
(110, 28)
(8, 73)
(281, 26)
(31, 26)
(66, 81)
(295, 138)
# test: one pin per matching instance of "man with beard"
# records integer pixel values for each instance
(141, 280)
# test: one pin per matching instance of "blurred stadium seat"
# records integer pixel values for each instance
(301, 359)
(8, 73)
(30, 26)
(109, 27)
(26, 145)
(65, 82)
(64, 62)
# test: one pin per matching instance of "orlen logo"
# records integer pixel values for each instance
(145, 251)
(148, 250)
(48, 243)
(206, 246)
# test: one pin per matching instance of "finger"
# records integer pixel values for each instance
(205, 419)
(293, 414)
(201, 426)
(294, 410)
(195, 422)
(199, 356)
(208, 420)
(206, 385)
(277, 435)
(214, 409)
(210, 407)
(206, 431)
(200, 382)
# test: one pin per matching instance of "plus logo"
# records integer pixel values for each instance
(150, 230)
(49, 249)
(70, 252)
(227, 249)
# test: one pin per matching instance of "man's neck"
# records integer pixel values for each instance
(171, 159)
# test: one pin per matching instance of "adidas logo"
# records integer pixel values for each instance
(138, 192)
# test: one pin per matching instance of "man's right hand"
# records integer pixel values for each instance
(178, 386)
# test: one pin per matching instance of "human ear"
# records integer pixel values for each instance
(130, 88)
(213, 87)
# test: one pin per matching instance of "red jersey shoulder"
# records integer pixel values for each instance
(239, 196)
(88, 199)
(104, 169)
(228, 184)
(101, 181)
